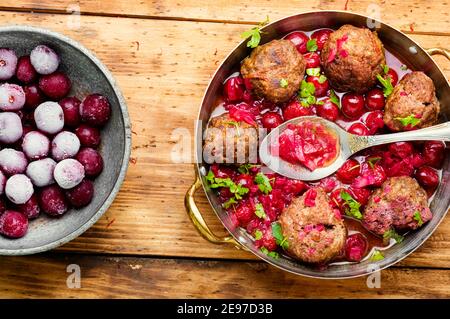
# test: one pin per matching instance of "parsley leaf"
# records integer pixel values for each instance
(334, 98)
(306, 94)
(322, 79)
(418, 218)
(277, 233)
(245, 168)
(409, 120)
(313, 71)
(392, 234)
(236, 189)
(272, 254)
(385, 68)
(263, 183)
(373, 160)
(311, 45)
(353, 206)
(254, 34)
(258, 234)
(387, 85)
(229, 203)
(377, 255)
(259, 211)
(284, 83)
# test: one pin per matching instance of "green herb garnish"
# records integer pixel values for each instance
(311, 45)
(236, 189)
(258, 234)
(259, 211)
(277, 233)
(385, 68)
(409, 120)
(418, 218)
(313, 71)
(387, 85)
(392, 234)
(230, 203)
(272, 254)
(306, 94)
(263, 183)
(377, 255)
(373, 160)
(353, 206)
(322, 79)
(284, 83)
(334, 98)
(254, 34)
(245, 168)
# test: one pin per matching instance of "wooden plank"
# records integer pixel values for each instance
(411, 15)
(102, 277)
(168, 72)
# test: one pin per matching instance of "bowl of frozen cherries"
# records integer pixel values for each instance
(64, 140)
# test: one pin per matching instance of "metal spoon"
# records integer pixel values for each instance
(349, 144)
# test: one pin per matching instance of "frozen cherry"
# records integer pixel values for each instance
(234, 89)
(56, 85)
(271, 120)
(434, 153)
(427, 177)
(89, 136)
(358, 129)
(31, 208)
(82, 194)
(12, 161)
(356, 247)
(2, 183)
(71, 109)
(352, 105)
(33, 96)
(13, 224)
(328, 110)
(68, 173)
(49, 117)
(35, 145)
(393, 75)
(321, 37)
(312, 60)
(41, 172)
(348, 171)
(12, 97)
(91, 160)
(65, 145)
(321, 85)
(299, 39)
(8, 63)
(295, 109)
(25, 72)
(52, 201)
(95, 110)
(19, 189)
(375, 99)
(11, 129)
(401, 149)
(44, 59)
(374, 121)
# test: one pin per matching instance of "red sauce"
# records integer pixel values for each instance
(308, 143)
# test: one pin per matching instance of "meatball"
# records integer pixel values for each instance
(413, 97)
(275, 70)
(315, 232)
(230, 141)
(397, 204)
(352, 58)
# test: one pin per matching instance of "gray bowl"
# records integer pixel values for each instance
(88, 75)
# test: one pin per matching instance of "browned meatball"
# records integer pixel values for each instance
(414, 96)
(229, 141)
(316, 234)
(275, 70)
(397, 204)
(352, 57)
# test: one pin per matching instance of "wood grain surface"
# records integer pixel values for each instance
(163, 53)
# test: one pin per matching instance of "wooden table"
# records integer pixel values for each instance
(163, 53)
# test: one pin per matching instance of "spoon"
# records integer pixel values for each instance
(348, 144)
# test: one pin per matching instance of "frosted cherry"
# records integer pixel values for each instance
(41, 172)
(65, 145)
(11, 129)
(49, 117)
(12, 97)
(35, 145)
(44, 59)
(19, 189)
(8, 63)
(68, 173)
(12, 161)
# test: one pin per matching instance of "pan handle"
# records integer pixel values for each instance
(197, 218)
(441, 51)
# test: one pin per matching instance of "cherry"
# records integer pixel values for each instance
(394, 76)
(81, 195)
(25, 71)
(433, 153)
(55, 85)
(13, 224)
(95, 110)
(271, 120)
(358, 129)
(33, 96)
(71, 109)
(233, 89)
(356, 247)
(320, 88)
(91, 160)
(321, 37)
(328, 110)
(295, 109)
(401, 149)
(352, 105)
(375, 99)
(348, 171)
(31, 208)
(312, 60)
(427, 177)
(374, 121)
(299, 39)
(89, 136)
(52, 200)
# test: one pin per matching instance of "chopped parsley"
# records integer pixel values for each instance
(385, 68)
(377, 255)
(334, 98)
(322, 79)
(272, 254)
(306, 94)
(313, 71)
(353, 206)
(259, 211)
(277, 233)
(409, 120)
(236, 189)
(230, 203)
(311, 45)
(263, 183)
(373, 160)
(245, 168)
(418, 218)
(284, 83)
(387, 85)
(392, 234)
(254, 34)
(258, 234)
